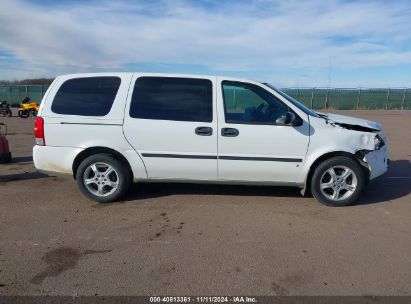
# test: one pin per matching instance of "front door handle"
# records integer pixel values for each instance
(229, 132)
(204, 131)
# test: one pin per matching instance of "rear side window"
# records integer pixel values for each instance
(92, 96)
(168, 98)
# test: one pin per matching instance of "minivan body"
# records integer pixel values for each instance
(110, 129)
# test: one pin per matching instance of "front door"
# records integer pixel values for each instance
(171, 123)
(254, 144)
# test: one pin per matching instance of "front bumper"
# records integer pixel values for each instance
(377, 162)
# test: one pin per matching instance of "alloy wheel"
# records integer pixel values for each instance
(338, 183)
(101, 179)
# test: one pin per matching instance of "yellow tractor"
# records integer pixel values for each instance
(28, 108)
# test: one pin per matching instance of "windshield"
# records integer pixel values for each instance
(293, 101)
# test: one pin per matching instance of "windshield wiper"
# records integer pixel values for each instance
(322, 115)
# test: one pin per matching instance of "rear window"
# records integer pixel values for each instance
(169, 98)
(92, 96)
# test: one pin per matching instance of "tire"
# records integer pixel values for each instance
(5, 158)
(101, 187)
(23, 113)
(32, 113)
(8, 158)
(341, 188)
(5, 112)
(9, 113)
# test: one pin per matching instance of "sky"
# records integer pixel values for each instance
(312, 43)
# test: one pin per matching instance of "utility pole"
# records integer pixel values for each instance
(358, 98)
(388, 98)
(312, 97)
(403, 99)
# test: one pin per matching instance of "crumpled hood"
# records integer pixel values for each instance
(352, 121)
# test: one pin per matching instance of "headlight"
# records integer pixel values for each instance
(378, 142)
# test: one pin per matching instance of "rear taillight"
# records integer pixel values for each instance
(39, 131)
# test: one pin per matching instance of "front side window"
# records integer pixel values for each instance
(170, 98)
(248, 103)
(91, 96)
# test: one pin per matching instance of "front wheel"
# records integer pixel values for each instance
(103, 178)
(338, 181)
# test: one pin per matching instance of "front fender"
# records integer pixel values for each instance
(329, 140)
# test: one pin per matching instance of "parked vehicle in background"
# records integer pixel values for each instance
(5, 109)
(111, 129)
(28, 108)
(5, 154)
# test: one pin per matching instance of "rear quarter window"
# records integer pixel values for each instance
(91, 96)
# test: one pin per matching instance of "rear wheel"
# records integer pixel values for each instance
(5, 112)
(338, 181)
(32, 113)
(8, 158)
(103, 178)
(5, 158)
(23, 113)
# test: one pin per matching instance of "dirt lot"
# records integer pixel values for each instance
(203, 240)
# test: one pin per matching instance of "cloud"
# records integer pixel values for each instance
(218, 35)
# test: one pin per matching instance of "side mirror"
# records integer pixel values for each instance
(287, 118)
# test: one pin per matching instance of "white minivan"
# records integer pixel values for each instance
(110, 129)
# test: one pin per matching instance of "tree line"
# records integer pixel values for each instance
(34, 81)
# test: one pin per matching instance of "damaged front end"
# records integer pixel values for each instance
(377, 160)
(373, 150)
(355, 127)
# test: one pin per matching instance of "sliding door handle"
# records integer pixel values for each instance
(229, 132)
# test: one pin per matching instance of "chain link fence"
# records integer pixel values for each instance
(352, 99)
(14, 94)
(314, 98)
